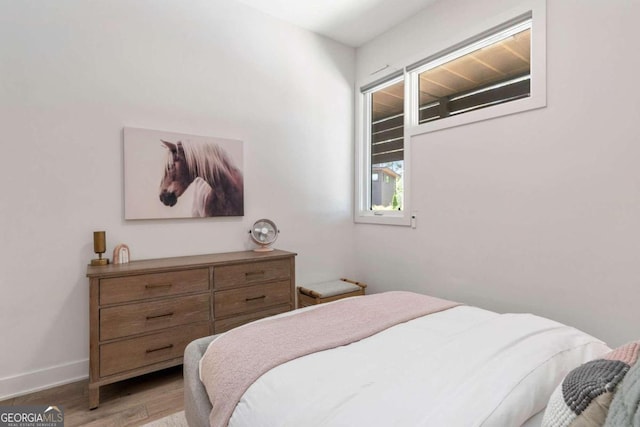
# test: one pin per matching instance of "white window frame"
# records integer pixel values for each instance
(536, 10)
(538, 92)
(363, 213)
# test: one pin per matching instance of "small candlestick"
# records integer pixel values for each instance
(99, 247)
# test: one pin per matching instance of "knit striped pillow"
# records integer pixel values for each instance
(584, 396)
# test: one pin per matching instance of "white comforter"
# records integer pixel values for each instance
(461, 367)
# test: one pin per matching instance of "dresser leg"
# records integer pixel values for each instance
(94, 396)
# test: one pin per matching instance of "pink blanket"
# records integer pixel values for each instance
(238, 358)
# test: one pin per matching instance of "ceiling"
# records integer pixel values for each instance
(351, 22)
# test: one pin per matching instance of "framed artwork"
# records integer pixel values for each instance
(173, 175)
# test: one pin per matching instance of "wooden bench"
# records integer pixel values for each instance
(329, 291)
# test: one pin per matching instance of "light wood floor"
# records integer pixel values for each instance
(132, 402)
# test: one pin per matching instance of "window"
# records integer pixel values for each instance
(383, 169)
(386, 126)
(498, 72)
(492, 70)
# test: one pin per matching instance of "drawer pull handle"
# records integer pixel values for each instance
(255, 298)
(158, 285)
(158, 316)
(166, 347)
(253, 274)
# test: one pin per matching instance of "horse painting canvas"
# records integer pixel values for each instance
(170, 175)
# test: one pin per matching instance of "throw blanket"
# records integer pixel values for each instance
(238, 358)
(625, 407)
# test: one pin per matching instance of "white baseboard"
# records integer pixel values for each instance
(42, 379)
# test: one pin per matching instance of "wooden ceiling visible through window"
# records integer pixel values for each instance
(496, 63)
(388, 102)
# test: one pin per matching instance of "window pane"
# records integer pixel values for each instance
(494, 73)
(387, 147)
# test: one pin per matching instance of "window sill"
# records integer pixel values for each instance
(385, 219)
(535, 101)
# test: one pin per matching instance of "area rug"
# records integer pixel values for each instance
(173, 420)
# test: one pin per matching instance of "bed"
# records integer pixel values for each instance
(454, 366)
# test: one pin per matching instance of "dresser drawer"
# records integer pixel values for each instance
(251, 298)
(233, 322)
(245, 274)
(133, 288)
(132, 319)
(125, 355)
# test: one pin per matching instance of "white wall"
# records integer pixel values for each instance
(538, 211)
(74, 73)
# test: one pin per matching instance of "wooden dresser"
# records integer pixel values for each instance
(144, 313)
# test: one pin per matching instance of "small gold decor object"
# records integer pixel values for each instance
(121, 254)
(99, 247)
